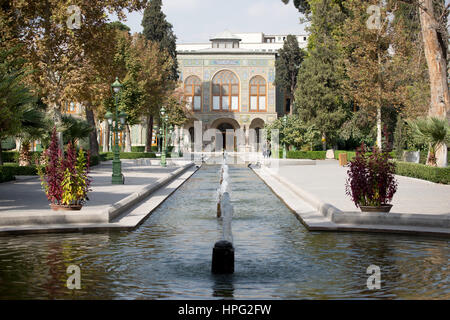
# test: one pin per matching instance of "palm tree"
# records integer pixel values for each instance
(34, 126)
(14, 94)
(433, 131)
(75, 129)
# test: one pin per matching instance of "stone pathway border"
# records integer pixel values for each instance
(127, 213)
(318, 215)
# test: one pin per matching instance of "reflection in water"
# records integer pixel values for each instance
(223, 286)
(169, 256)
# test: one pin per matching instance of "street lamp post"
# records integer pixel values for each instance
(284, 143)
(119, 122)
(164, 130)
(180, 154)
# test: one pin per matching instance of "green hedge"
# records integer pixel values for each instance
(9, 170)
(421, 171)
(10, 156)
(352, 154)
(21, 171)
(127, 155)
(313, 155)
(138, 149)
(94, 160)
(6, 173)
(13, 156)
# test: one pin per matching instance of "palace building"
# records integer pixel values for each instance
(228, 82)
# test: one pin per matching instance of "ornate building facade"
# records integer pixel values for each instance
(229, 84)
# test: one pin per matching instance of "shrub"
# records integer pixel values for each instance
(6, 173)
(76, 182)
(127, 155)
(94, 160)
(21, 171)
(434, 132)
(371, 180)
(352, 154)
(138, 149)
(313, 155)
(421, 171)
(65, 180)
(13, 156)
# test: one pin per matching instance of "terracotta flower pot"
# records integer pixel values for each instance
(383, 208)
(72, 207)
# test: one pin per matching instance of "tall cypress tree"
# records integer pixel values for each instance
(158, 29)
(289, 60)
(318, 97)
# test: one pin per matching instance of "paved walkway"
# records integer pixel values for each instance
(28, 195)
(326, 180)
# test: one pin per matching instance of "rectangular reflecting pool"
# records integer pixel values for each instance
(169, 255)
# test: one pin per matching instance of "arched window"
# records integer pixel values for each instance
(258, 94)
(193, 92)
(225, 91)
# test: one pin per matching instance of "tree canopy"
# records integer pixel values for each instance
(288, 64)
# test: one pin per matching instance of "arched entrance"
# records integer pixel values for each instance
(222, 136)
(191, 135)
(188, 136)
(223, 131)
(256, 142)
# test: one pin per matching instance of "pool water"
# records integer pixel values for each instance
(169, 255)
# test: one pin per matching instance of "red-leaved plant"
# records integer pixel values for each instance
(64, 179)
(371, 178)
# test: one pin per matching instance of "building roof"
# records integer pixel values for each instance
(225, 35)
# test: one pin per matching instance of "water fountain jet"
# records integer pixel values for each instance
(223, 251)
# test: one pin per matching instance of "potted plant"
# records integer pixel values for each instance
(371, 180)
(64, 179)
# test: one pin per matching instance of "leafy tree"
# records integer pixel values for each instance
(373, 79)
(319, 99)
(409, 61)
(295, 133)
(359, 128)
(155, 77)
(288, 64)
(158, 30)
(57, 51)
(302, 5)
(404, 139)
(144, 70)
(94, 78)
(176, 108)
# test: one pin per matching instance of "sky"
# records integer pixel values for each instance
(197, 20)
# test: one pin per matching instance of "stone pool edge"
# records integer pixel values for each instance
(317, 215)
(131, 214)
